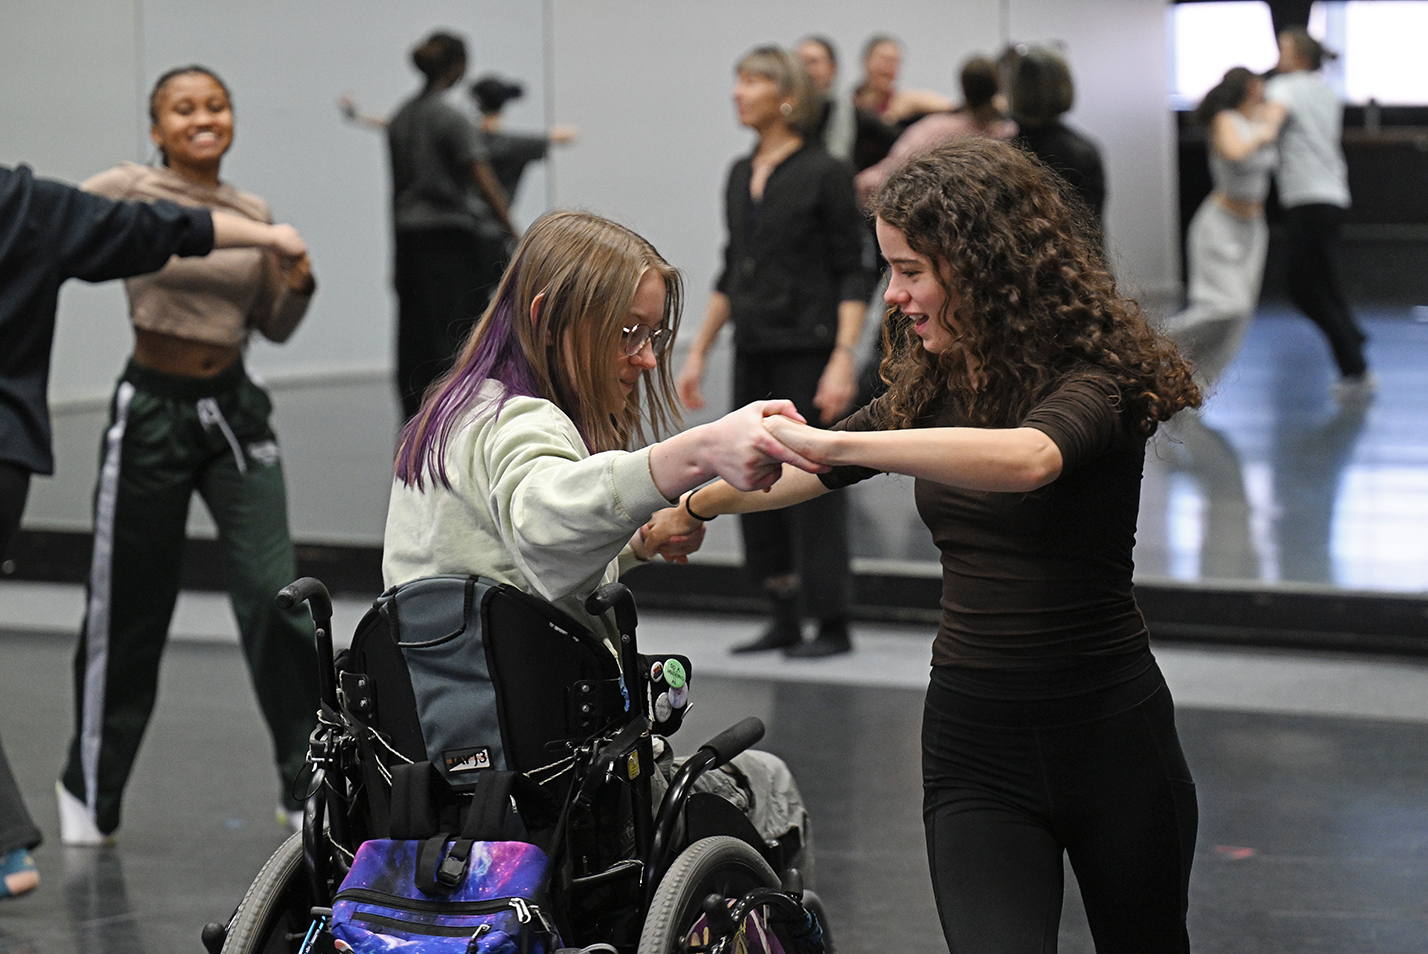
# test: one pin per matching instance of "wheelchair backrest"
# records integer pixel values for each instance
(471, 674)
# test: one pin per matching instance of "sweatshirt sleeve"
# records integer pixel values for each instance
(563, 516)
(99, 239)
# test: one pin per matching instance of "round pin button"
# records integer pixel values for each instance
(674, 673)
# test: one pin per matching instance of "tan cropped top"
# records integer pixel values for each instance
(215, 299)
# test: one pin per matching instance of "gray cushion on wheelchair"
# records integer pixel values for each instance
(437, 623)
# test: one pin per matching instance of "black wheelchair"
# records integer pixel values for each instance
(690, 874)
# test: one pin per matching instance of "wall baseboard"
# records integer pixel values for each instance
(1241, 615)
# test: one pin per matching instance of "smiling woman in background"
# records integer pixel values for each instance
(186, 417)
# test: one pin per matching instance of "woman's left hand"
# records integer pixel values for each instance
(672, 534)
(812, 443)
(297, 274)
(837, 387)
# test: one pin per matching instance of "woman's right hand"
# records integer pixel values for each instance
(742, 451)
(287, 243)
(688, 383)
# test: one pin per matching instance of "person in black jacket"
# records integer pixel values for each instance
(1042, 92)
(51, 232)
(795, 285)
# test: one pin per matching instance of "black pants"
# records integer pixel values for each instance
(1314, 281)
(1009, 786)
(17, 829)
(810, 539)
(444, 279)
(14, 488)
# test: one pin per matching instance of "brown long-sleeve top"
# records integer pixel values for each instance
(215, 299)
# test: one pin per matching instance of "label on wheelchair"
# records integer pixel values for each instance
(459, 761)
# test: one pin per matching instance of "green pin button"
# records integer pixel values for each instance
(674, 674)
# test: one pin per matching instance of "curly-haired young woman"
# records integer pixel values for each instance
(1022, 388)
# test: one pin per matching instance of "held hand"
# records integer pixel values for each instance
(837, 387)
(687, 382)
(745, 454)
(811, 443)
(297, 274)
(672, 534)
(285, 240)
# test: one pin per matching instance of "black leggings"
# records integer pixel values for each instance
(1315, 285)
(1009, 786)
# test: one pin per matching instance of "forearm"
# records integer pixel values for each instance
(716, 316)
(491, 191)
(1016, 459)
(850, 324)
(236, 231)
(795, 486)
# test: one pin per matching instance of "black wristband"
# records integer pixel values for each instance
(690, 510)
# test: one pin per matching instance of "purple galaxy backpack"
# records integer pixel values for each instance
(481, 889)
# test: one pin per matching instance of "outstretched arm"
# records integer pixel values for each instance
(235, 231)
(1012, 459)
(678, 531)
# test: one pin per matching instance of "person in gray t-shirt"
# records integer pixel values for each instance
(449, 219)
(1314, 190)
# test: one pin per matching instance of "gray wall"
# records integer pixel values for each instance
(646, 81)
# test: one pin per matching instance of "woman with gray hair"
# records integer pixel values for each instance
(795, 286)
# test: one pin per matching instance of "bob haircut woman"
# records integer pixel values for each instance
(781, 68)
(1022, 387)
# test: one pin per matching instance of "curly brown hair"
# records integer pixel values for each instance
(1038, 302)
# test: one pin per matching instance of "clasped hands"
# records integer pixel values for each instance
(750, 448)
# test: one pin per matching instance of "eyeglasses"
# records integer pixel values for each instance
(638, 335)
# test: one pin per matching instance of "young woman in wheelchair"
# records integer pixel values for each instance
(517, 467)
(1022, 389)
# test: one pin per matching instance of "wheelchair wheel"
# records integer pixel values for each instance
(274, 915)
(720, 864)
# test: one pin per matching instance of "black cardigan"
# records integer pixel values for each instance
(791, 261)
(50, 232)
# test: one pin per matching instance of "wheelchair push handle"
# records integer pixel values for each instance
(308, 589)
(616, 596)
(319, 604)
(734, 740)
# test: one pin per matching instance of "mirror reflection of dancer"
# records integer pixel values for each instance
(795, 286)
(450, 221)
(1228, 238)
(1023, 388)
(516, 468)
(49, 233)
(186, 417)
(1313, 181)
(883, 109)
(511, 152)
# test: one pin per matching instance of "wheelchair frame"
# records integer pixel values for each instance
(706, 867)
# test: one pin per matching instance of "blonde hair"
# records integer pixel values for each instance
(588, 269)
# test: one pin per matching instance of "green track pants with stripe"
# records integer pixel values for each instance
(168, 437)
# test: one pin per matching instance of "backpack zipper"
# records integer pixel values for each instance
(521, 906)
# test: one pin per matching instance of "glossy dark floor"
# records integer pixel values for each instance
(1313, 834)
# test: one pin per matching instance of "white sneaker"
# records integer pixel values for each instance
(1357, 389)
(77, 828)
